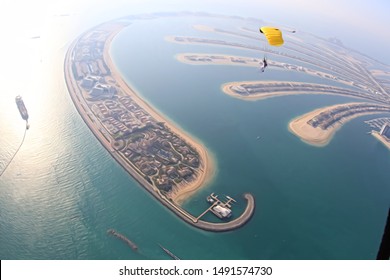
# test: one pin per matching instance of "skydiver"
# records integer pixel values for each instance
(265, 64)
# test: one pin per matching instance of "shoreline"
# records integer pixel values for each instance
(310, 135)
(317, 136)
(226, 88)
(179, 196)
(233, 60)
(208, 162)
(380, 138)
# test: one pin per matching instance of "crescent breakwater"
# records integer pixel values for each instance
(167, 162)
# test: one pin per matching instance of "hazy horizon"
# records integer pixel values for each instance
(360, 25)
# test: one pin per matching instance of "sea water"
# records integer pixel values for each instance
(63, 191)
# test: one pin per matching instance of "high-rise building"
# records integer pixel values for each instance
(385, 130)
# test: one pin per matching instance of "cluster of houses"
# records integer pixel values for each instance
(330, 117)
(158, 154)
(122, 116)
(385, 131)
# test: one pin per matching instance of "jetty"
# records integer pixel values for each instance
(169, 253)
(218, 208)
(130, 243)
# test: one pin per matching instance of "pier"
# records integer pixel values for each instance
(218, 208)
(130, 243)
(169, 253)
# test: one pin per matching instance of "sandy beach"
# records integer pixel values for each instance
(204, 28)
(206, 172)
(380, 138)
(313, 136)
(377, 72)
(245, 61)
(317, 136)
(184, 191)
(220, 59)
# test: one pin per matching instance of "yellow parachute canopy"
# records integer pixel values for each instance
(273, 35)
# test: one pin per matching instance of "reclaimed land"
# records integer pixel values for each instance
(245, 61)
(319, 126)
(169, 164)
(343, 67)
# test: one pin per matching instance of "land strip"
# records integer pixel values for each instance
(319, 126)
(162, 158)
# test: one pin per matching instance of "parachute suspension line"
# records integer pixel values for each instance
(17, 150)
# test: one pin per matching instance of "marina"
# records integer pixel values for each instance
(218, 208)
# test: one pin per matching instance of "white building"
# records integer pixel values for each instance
(222, 212)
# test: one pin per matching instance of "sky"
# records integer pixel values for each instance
(359, 24)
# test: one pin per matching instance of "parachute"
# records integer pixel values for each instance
(273, 35)
(274, 38)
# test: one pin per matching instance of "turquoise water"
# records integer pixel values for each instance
(64, 190)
